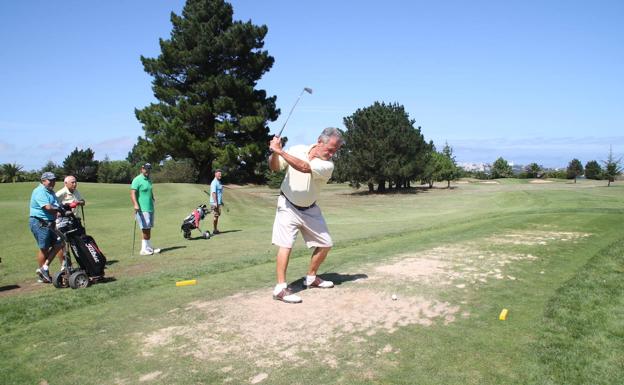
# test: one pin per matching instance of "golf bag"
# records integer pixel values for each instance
(191, 222)
(85, 250)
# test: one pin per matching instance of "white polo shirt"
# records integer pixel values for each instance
(303, 189)
(65, 196)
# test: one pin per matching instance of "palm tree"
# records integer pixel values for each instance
(11, 172)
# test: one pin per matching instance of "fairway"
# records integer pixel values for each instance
(550, 253)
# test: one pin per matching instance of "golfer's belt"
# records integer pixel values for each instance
(300, 208)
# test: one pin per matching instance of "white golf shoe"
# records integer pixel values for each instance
(286, 295)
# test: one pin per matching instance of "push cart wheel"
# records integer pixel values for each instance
(60, 280)
(207, 235)
(78, 280)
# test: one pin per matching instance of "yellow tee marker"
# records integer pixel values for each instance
(503, 315)
(186, 283)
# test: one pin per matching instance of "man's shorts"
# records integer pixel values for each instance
(289, 221)
(43, 235)
(216, 210)
(145, 219)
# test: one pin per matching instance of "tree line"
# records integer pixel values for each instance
(611, 169)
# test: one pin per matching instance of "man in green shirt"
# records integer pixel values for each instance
(143, 200)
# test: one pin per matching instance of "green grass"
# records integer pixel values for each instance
(566, 306)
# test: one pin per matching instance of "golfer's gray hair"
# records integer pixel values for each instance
(69, 178)
(329, 132)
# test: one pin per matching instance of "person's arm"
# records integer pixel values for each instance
(80, 199)
(134, 200)
(51, 209)
(294, 162)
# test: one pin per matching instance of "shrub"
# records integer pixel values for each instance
(115, 171)
(176, 171)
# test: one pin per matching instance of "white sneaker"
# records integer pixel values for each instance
(147, 252)
(155, 251)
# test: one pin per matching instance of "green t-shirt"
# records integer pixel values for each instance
(143, 187)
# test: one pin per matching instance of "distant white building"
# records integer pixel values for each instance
(475, 167)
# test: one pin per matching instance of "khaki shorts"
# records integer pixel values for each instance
(289, 221)
(216, 210)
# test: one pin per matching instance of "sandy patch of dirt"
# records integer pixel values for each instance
(539, 181)
(488, 182)
(537, 237)
(258, 378)
(150, 376)
(460, 265)
(268, 333)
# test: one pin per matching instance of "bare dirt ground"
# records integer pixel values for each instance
(251, 327)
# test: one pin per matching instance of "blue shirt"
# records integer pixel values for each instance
(216, 187)
(40, 197)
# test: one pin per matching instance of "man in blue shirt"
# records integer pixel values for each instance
(216, 199)
(44, 208)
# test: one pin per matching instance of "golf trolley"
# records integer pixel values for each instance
(91, 260)
(191, 222)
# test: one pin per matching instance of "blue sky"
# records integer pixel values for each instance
(531, 81)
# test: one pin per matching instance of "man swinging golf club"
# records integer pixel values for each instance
(308, 168)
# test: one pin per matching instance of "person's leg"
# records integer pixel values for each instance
(41, 256)
(281, 292)
(147, 234)
(61, 255)
(318, 256)
(316, 234)
(216, 212)
(283, 255)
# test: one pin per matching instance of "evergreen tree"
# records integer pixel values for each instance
(382, 146)
(575, 168)
(612, 167)
(208, 109)
(448, 166)
(593, 170)
(501, 169)
(80, 163)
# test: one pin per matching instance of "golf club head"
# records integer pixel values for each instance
(308, 90)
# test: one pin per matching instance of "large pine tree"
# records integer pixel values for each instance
(208, 109)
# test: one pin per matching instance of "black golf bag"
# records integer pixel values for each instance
(85, 250)
(191, 222)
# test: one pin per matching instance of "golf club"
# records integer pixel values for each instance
(305, 89)
(133, 235)
(84, 219)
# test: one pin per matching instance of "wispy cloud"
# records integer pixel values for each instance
(5, 147)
